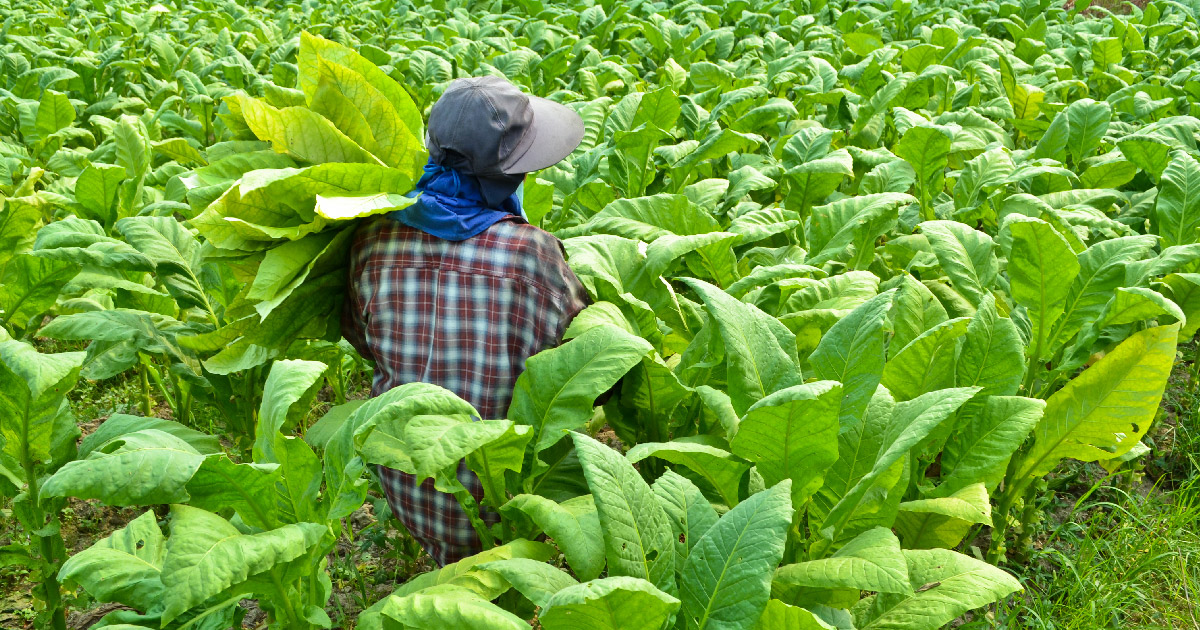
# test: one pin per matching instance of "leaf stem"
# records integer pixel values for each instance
(289, 609)
(1031, 373)
(471, 507)
(144, 380)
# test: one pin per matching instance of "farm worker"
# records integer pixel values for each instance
(459, 289)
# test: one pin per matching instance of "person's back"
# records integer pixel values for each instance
(458, 290)
(463, 315)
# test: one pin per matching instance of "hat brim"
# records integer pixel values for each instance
(555, 132)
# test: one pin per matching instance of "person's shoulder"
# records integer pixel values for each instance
(529, 252)
(381, 227)
(522, 236)
(382, 236)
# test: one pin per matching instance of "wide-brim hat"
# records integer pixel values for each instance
(487, 126)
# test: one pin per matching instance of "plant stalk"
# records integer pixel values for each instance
(996, 550)
(49, 587)
(1029, 515)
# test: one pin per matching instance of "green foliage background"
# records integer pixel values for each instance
(863, 274)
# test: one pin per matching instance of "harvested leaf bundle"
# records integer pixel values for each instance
(355, 136)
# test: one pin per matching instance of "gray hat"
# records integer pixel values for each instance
(487, 126)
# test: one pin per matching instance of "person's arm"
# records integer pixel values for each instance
(575, 296)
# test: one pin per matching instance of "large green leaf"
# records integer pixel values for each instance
(1177, 206)
(915, 310)
(637, 533)
(704, 456)
(911, 422)
(760, 352)
(269, 205)
(557, 390)
(814, 167)
(966, 255)
(301, 133)
(1105, 411)
(290, 388)
(714, 146)
(466, 573)
(54, 112)
(872, 561)
(650, 394)
(1103, 268)
(945, 585)
(447, 606)
(306, 314)
(251, 490)
(296, 496)
(1185, 291)
(1041, 269)
(851, 226)
(96, 190)
(314, 49)
(208, 556)
(927, 363)
(726, 580)
(176, 254)
(690, 513)
(1149, 152)
(130, 328)
(86, 242)
(35, 419)
(780, 615)
(633, 165)
(792, 434)
(710, 255)
(612, 603)
(285, 269)
(675, 214)
(573, 524)
(30, 287)
(17, 231)
(992, 355)
(852, 354)
(926, 150)
(120, 424)
(132, 147)
(943, 522)
(365, 114)
(980, 449)
(980, 175)
(125, 567)
(1136, 304)
(344, 463)
(436, 444)
(839, 292)
(1087, 123)
(535, 580)
(493, 460)
(145, 467)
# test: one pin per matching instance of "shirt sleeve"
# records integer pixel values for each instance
(575, 296)
(353, 327)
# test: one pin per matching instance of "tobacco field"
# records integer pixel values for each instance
(866, 278)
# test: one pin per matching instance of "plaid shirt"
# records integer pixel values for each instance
(462, 315)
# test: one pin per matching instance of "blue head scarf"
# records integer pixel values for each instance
(454, 206)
